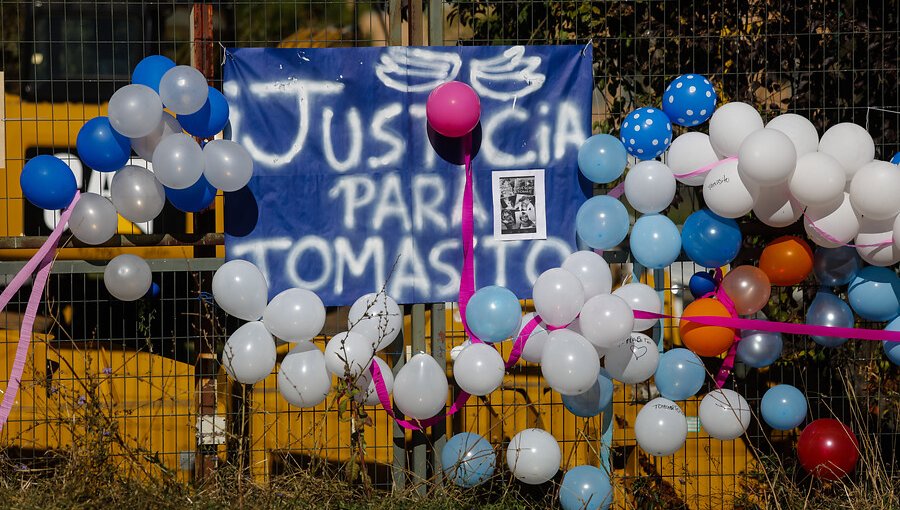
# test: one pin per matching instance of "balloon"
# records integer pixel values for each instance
(633, 360)
(210, 119)
(101, 147)
(705, 340)
(592, 270)
(602, 158)
(593, 401)
(145, 145)
(655, 241)
(177, 161)
(836, 266)
(249, 353)
(724, 414)
(828, 449)
(127, 277)
(818, 180)
(453, 109)
(660, 427)
(376, 316)
(896, 158)
(832, 225)
(874, 294)
(48, 182)
(767, 157)
(493, 313)
(240, 289)
(680, 374)
(850, 144)
(799, 129)
(227, 165)
(748, 288)
(605, 320)
(710, 240)
(829, 310)
(649, 186)
(759, 349)
(787, 260)
(783, 407)
(468, 459)
(585, 488)
(689, 152)
(533, 456)
(875, 242)
(776, 207)
(602, 222)
(641, 297)
(94, 219)
(420, 388)
(689, 100)
(558, 296)
(365, 383)
(873, 191)
(135, 111)
(349, 353)
(892, 349)
(479, 369)
(569, 363)
(295, 315)
(150, 70)
(194, 198)
(646, 133)
(183, 90)
(302, 378)
(534, 345)
(701, 284)
(728, 194)
(730, 125)
(137, 195)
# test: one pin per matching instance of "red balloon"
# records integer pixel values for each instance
(828, 449)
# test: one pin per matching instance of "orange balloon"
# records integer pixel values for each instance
(787, 260)
(705, 340)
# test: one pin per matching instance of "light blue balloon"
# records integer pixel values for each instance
(655, 241)
(836, 266)
(493, 313)
(759, 348)
(783, 407)
(468, 459)
(585, 488)
(592, 402)
(602, 222)
(874, 294)
(602, 158)
(829, 310)
(892, 349)
(680, 374)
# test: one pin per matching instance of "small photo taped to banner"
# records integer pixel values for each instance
(519, 205)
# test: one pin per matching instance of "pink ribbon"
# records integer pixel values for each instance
(722, 297)
(704, 169)
(467, 278)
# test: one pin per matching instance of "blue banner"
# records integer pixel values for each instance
(352, 191)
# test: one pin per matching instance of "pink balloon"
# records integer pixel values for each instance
(453, 109)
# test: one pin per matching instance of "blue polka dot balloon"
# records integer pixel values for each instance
(689, 100)
(646, 133)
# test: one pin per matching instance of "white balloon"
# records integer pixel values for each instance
(896, 234)
(533, 456)
(178, 161)
(592, 270)
(183, 90)
(137, 195)
(838, 220)
(295, 315)
(724, 414)
(605, 320)
(240, 289)
(145, 145)
(730, 124)
(818, 179)
(534, 346)
(249, 353)
(660, 427)
(367, 394)
(689, 152)
(641, 297)
(348, 352)
(302, 378)
(94, 219)
(558, 296)
(135, 110)
(875, 190)
(850, 144)
(479, 369)
(127, 277)
(799, 129)
(227, 165)
(633, 360)
(569, 363)
(767, 157)
(649, 186)
(726, 193)
(376, 316)
(875, 232)
(420, 388)
(776, 207)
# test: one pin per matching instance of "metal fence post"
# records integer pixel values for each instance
(397, 352)
(419, 471)
(439, 352)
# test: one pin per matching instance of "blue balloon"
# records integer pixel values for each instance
(153, 291)
(468, 459)
(208, 120)
(829, 310)
(701, 284)
(892, 349)
(585, 488)
(896, 159)
(101, 147)
(48, 182)
(646, 133)
(680, 374)
(602, 158)
(836, 266)
(602, 222)
(759, 348)
(689, 100)
(783, 407)
(593, 401)
(655, 241)
(194, 198)
(874, 294)
(493, 313)
(150, 71)
(710, 240)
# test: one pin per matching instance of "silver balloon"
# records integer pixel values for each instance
(145, 145)
(249, 353)
(183, 90)
(420, 388)
(135, 110)
(349, 352)
(368, 394)
(295, 315)
(228, 165)
(137, 195)
(240, 289)
(759, 348)
(94, 219)
(533, 456)
(127, 277)
(302, 378)
(178, 161)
